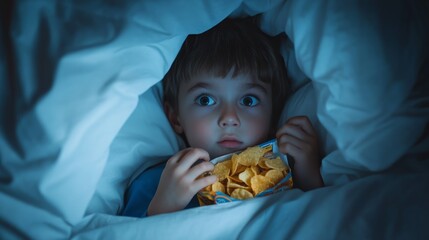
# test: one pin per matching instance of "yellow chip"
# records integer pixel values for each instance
(274, 175)
(222, 169)
(207, 189)
(234, 179)
(260, 183)
(246, 175)
(241, 194)
(255, 169)
(287, 184)
(240, 169)
(234, 164)
(262, 164)
(218, 187)
(251, 156)
(263, 172)
(233, 183)
(276, 163)
(229, 190)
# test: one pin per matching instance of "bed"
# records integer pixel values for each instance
(81, 116)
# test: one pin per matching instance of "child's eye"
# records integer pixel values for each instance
(249, 101)
(204, 100)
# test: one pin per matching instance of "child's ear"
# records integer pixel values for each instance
(173, 118)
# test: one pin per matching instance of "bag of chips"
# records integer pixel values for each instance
(257, 171)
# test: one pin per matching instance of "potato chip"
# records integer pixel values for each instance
(262, 164)
(246, 175)
(255, 170)
(233, 183)
(234, 163)
(250, 156)
(229, 190)
(241, 194)
(222, 170)
(263, 172)
(207, 189)
(286, 184)
(218, 187)
(260, 183)
(274, 175)
(234, 179)
(276, 163)
(240, 169)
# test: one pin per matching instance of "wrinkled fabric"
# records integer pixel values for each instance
(75, 76)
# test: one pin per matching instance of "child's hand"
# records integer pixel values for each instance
(179, 181)
(298, 139)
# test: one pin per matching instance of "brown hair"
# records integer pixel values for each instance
(232, 44)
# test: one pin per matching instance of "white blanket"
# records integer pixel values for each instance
(81, 115)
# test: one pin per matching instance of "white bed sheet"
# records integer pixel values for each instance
(385, 206)
(73, 71)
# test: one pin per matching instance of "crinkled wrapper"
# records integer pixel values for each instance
(211, 197)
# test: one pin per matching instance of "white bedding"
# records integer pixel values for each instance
(81, 115)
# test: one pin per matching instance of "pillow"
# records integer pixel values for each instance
(303, 103)
(145, 139)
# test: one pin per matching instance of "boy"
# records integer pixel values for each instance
(224, 92)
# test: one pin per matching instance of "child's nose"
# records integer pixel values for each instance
(229, 118)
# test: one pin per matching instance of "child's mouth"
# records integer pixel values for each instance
(230, 143)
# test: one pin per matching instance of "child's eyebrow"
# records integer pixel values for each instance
(247, 86)
(198, 85)
(257, 86)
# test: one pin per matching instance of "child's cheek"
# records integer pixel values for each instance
(199, 133)
(259, 128)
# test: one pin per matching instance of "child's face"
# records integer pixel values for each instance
(223, 115)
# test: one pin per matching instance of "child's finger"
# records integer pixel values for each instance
(289, 139)
(203, 182)
(176, 157)
(304, 123)
(191, 156)
(293, 130)
(291, 149)
(199, 169)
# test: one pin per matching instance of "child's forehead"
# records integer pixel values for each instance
(240, 81)
(211, 77)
